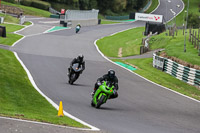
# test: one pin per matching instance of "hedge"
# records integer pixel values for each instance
(36, 3)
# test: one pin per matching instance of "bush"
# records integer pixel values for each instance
(26, 2)
(36, 3)
(10, 1)
(41, 5)
(193, 20)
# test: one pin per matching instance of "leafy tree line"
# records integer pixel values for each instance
(105, 6)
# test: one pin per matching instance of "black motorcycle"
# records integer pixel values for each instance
(75, 73)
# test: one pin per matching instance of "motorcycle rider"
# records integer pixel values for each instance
(112, 79)
(78, 60)
(78, 25)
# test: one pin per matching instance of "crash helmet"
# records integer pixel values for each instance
(80, 57)
(111, 74)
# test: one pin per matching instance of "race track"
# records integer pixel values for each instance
(142, 107)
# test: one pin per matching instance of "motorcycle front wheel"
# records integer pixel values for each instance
(100, 101)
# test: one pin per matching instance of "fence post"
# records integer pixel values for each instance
(198, 40)
(199, 49)
(195, 39)
(141, 50)
(190, 35)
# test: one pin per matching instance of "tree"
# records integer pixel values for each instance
(118, 5)
(84, 4)
(131, 4)
(93, 4)
(193, 20)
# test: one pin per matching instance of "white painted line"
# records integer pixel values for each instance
(48, 99)
(179, 12)
(174, 13)
(156, 7)
(138, 74)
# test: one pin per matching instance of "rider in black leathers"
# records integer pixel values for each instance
(111, 78)
(79, 60)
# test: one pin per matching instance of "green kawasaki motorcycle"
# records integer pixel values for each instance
(102, 94)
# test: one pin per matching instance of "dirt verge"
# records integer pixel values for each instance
(163, 54)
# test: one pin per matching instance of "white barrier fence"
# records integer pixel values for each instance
(81, 14)
(186, 74)
(21, 20)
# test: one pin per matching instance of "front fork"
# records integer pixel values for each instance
(98, 95)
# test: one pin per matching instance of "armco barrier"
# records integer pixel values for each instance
(186, 74)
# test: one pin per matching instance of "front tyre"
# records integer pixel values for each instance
(100, 102)
(92, 104)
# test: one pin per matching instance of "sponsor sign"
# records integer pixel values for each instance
(149, 17)
(62, 11)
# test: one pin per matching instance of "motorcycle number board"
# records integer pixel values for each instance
(149, 17)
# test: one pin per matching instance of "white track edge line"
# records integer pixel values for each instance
(138, 74)
(93, 128)
(156, 7)
(179, 12)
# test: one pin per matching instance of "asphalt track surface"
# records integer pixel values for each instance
(142, 107)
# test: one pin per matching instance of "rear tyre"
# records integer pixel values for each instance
(100, 102)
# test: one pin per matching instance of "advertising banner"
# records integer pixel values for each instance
(149, 17)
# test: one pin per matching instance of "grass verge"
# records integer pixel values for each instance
(8, 18)
(10, 36)
(30, 10)
(129, 41)
(146, 70)
(108, 22)
(174, 47)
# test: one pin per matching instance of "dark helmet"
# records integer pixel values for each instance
(111, 73)
(80, 57)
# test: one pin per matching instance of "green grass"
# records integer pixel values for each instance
(129, 41)
(153, 6)
(146, 70)
(175, 47)
(27, 23)
(19, 99)
(10, 19)
(30, 10)
(103, 21)
(193, 8)
(10, 36)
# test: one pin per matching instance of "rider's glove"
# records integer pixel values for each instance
(114, 91)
